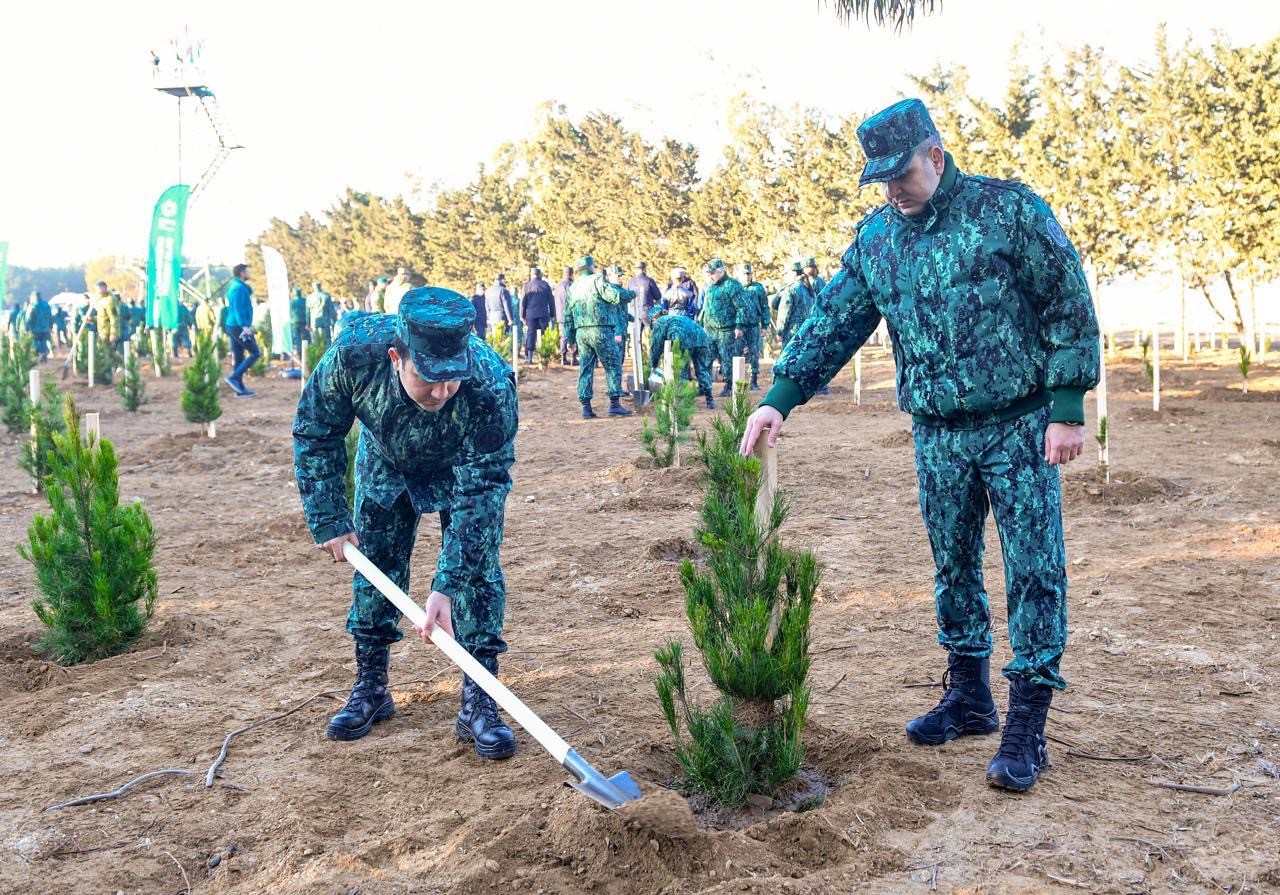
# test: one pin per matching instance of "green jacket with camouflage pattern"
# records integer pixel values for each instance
(594, 301)
(755, 305)
(985, 300)
(723, 305)
(458, 458)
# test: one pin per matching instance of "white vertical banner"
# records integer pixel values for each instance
(277, 300)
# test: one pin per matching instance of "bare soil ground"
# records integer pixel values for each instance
(1173, 662)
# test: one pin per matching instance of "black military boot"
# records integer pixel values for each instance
(479, 722)
(1024, 751)
(616, 408)
(727, 390)
(587, 412)
(825, 390)
(370, 699)
(966, 706)
(711, 402)
(755, 386)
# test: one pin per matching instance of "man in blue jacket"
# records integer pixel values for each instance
(995, 343)
(238, 325)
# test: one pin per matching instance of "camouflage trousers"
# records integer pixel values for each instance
(700, 360)
(386, 537)
(597, 342)
(962, 473)
(752, 346)
(724, 348)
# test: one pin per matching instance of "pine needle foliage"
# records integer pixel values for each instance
(45, 419)
(104, 359)
(674, 404)
(548, 345)
(92, 557)
(316, 347)
(1243, 365)
(16, 363)
(200, 402)
(164, 364)
(132, 388)
(500, 341)
(749, 612)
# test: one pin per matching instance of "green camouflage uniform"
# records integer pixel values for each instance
(755, 314)
(675, 327)
(723, 311)
(795, 304)
(455, 462)
(994, 336)
(593, 315)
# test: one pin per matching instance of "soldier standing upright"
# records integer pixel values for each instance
(561, 293)
(995, 343)
(591, 319)
(438, 420)
(755, 316)
(723, 316)
(40, 325)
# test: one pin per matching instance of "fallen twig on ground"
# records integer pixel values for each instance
(226, 743)
(181, 870)
(838, 683)
(1077, 752)
(925, 684)
(1203, 790)
(117, 793)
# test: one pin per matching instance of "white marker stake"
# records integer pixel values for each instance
(213, 428)
(155, 353)
(1104, 449)
(857, 377)
(303, 363)
(93, 345)
(515, 352)
(739, 378)
(668, 377)
(768, 457)
(1155, 368)
(33, 392)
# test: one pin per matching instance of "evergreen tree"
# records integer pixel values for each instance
(132, 389)
(500, 341)
(316, 348)
(15, 367)
(45, 418)
(200, 383)
(673, 407)
(548, 345)
(104, 359)
(749, 612)
(92, 557)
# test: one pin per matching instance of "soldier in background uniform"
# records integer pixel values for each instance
(671, 325)
(591, 318)
(816, 282)
(322, 313)
(438, 419)
(298, 328)
(723, 316)
(40, 325)
(995, 343)
(755, 315)
(568, 349)
(60, 325)
(181, 336)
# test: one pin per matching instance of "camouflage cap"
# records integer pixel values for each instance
(586, 261)
(713, 265)
(811, 262)
(617, 270)
(889, 137)
(745, 267)
(436, 325)
(383, 280)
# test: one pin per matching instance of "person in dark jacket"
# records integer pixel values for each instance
(537, 304)
(647, 292)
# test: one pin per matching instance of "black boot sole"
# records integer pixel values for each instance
(977, 725)
(1015, 784)
(346, 734)
(492, 752)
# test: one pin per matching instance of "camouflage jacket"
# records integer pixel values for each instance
(724, 305)
(594, 301)
(458, 458)
(985, 300)
(795, 303)
(673, 328)
(755, 306)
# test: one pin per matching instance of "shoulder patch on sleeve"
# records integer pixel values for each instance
(488, 439)
(1056, 233)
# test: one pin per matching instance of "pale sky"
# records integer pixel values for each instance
(327, 95)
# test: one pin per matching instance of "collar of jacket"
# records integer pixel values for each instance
(952, 178)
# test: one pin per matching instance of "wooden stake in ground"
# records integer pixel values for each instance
(640, 392)
(740, 381)
(93, 345)
(1104, 427)
(768, 457)
(857, 377)
(515, 350)
(669, 377)
(302, 364)
(1155, 368)
(155, 353)
(33, 392)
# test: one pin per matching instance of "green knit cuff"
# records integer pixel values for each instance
(784, 396)
(1068, 405)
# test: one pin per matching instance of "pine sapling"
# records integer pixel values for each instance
(132, 388)
(1243, 365)
(15, 366)
(548, 345)
(500, 340)
(200, 402)
(749, 612)
(316, 348)
(92, 557)
(674, 403)
(46, 418)
(104, 358)
(1146, 358)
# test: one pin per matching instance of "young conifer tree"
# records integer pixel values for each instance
(104, 359)
(674, 403)
(15, 365)
(92, 557)
(548, 345)
(749, 610)
(500, 341)
(44, 419)
(132, 388)
(200, 383)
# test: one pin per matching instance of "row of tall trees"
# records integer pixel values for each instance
(1168, 168)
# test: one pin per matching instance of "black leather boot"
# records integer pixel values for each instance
(370, 699)
(711, 402)
(616, 408)
(1024, 750)
(587, 412)
(479, 722)
(727, 391)
(755, 386)
(966, 706)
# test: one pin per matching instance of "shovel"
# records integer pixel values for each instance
(611, 792)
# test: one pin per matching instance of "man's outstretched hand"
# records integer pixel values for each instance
(766, 419)
(439, 612)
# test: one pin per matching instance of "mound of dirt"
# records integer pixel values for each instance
(1237, 394)
(899, 439)
(673, 550)
(1123, 489)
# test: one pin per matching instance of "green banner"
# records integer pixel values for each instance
(164, 257)
(4, 270)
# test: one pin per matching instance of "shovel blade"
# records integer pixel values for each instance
(611, 792)
(640, 398)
